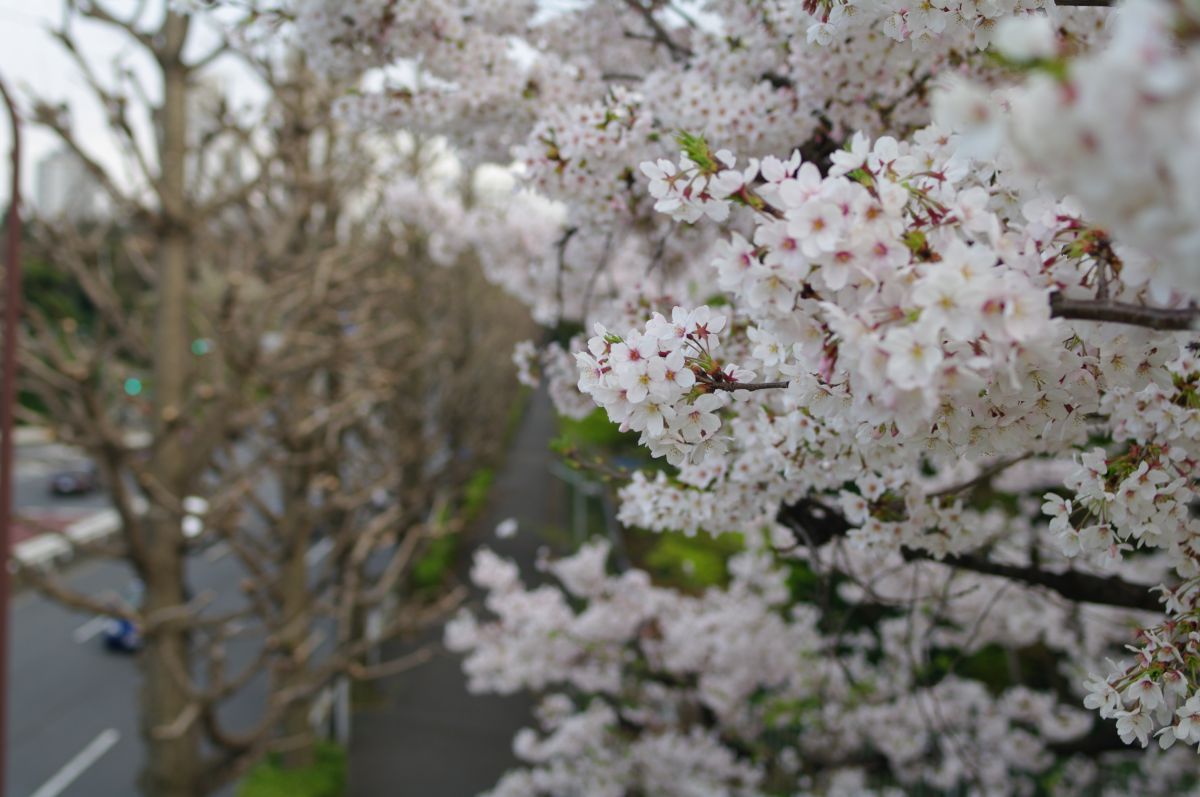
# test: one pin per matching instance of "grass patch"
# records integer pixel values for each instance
(595, 431)
(430, 569)
(433, 565)
(325, 778)
(475, 493)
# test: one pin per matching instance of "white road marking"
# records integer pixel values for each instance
(318, 552)
(79, 764)
(218, 551)
(90, 629)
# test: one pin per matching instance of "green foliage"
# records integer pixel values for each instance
(475, 492)
(431, 567)
(802, 583)
(325, 778)
(988, 665)
(565, 330)
(690, 562)
(696, 148)
(917, 243)
(594, 431)
(54, 293)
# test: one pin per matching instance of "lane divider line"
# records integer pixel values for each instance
(84, 759)
(90, 629)
(319, 551)
(217, 551)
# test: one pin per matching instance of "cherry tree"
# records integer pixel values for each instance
(901, 293)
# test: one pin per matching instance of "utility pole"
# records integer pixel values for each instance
(8, 394)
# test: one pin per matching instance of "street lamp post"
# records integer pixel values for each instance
(8, 393)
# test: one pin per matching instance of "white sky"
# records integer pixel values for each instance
(33, 63)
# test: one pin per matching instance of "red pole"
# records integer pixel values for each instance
(8, 393)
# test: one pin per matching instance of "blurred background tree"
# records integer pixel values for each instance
(257, 360)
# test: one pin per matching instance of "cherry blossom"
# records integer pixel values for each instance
(901, 294)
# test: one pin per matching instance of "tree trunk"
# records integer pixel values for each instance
(172, 760)
(172, 763)
(295, 729)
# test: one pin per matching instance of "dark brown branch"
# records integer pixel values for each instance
(778, 81)
(817, 523)
(1161, 318)
(1103, 738)
(54, 589)
(100, 13)
(822, 525)
(627, 77)
(1072, 585)
(678, 51)
(751, 386)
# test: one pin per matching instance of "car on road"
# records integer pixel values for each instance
(78, 480)
(122, 635)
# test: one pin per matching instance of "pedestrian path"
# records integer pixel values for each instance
(429, 737)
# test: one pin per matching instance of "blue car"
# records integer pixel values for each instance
(121, 635)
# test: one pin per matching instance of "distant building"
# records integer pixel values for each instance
(65, 189)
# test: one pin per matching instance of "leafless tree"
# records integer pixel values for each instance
(310, 376)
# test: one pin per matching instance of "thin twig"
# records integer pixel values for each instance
(678, 51)
(751, 386)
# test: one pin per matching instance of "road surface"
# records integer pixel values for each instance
(427, 736)
(72, 712)
(69, 696)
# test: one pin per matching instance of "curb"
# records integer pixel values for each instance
(46, 551)
(32, 436)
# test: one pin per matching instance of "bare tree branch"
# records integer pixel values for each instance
(1161, 318)
(678, 51)
(823, 524)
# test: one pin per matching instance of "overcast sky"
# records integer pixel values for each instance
(32, 62)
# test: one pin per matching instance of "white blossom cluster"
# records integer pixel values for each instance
(906, 303)
(1157, 695)
(938, 254)
(971, 22)
(1129, 107)
(647, 382)
(740, 664)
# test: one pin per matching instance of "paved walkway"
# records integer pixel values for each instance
(429, 737)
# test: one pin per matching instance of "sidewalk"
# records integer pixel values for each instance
(430, 737)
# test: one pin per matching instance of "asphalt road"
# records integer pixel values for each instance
(72, 711)
(35, 465)
(73, 704)
(37, 509)
(65, 693)
(425, 735)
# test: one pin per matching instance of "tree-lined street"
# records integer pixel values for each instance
(863, 458)
(68, 690)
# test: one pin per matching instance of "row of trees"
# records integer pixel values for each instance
(304, 370)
